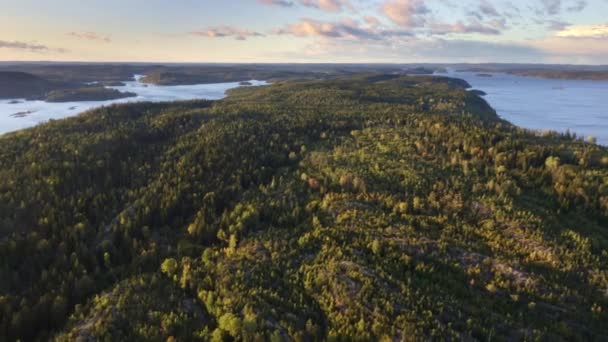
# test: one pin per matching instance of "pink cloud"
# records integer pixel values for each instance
(88, 35)
(372, 21)
(324, 5)
(347, 29)
(282, 3)
(327, 5)
(406, 13)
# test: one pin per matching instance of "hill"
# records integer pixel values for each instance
(22, 85)
(16, 85)
(201, 75)
(367, 207)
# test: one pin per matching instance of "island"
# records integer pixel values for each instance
(22, 114)
(113, 83)
(484, 75)
(245, 83)
(86, 94)
(168, 78)
(590, 75)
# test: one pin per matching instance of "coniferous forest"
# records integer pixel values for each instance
(370, 207)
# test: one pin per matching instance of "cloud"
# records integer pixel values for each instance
(488, 9)
(226, 31)
(584, 31)
(406, 13)
(23, 46)
(555, 25)
(552, 7)
(371, 21)
(324, 5)
(347, 29)
(578, 6)
(327, 5)
(88, 35)
(282, 3)
(460, 27)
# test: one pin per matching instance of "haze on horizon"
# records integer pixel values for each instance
(382, 31)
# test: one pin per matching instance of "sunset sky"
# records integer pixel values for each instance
(537, 31)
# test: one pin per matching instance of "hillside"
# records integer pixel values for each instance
(22, 85)
(371, 207)
(188, 76)
(17, 85)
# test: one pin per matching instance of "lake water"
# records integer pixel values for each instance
(535, 103)
(580, 106)
(35, 112)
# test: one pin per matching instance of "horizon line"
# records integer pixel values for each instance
(291, 63)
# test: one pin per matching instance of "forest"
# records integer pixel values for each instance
(363, 207)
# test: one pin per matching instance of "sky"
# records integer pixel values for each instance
(301, 31)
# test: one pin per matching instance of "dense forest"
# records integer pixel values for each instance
(91, 93)
(21, 85)
(373, 207)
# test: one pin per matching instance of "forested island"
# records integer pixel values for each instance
(371, 207)
(563, 74)
(86, 94)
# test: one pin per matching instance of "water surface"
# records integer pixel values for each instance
(544, 104)
(17, 114)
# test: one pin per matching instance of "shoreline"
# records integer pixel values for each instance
(40, 112)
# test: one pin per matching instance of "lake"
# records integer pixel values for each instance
(23, 114)
(580, 106)
(543, 104)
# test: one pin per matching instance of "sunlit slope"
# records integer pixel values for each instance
(370, 207)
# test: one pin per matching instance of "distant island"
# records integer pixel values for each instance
(548, 72)
(22, 114)
(563, 74)
(87, 94)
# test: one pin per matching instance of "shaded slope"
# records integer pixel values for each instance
(22, 85)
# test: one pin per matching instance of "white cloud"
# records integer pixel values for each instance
(226, 31)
